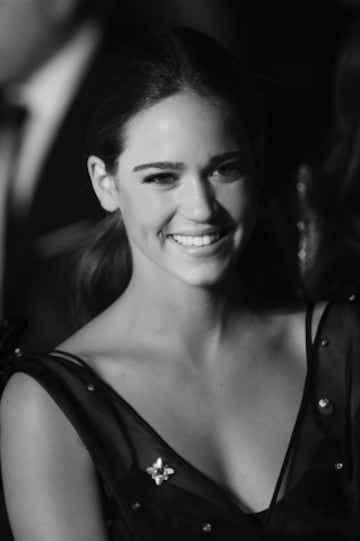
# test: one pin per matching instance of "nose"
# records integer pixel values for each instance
(198, 201)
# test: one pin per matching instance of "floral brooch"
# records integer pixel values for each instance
(159, 471)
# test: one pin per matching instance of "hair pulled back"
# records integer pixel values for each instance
(154, 66)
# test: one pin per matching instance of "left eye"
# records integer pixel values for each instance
(229, 171)
(161, 179)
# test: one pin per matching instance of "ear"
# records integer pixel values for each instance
(104, 184)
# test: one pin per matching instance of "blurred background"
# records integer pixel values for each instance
(48, 51)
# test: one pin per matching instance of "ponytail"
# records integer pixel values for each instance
(100, 268)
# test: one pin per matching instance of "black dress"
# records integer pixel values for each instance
(153, 494)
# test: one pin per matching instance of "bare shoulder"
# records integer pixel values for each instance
(100, 336)
(127, 359)
(26, 407)
(23, 402)
(107, 341)
(293, 322)
(49, 479)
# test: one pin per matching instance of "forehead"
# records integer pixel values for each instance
(184, 126)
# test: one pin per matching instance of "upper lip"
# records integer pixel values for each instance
(201, 232)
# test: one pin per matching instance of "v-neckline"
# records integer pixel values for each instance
(232, 501)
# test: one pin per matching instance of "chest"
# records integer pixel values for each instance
(239, 434)
(233, 426)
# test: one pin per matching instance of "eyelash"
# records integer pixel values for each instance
(237, 170)
(161, 179)
(234, 171)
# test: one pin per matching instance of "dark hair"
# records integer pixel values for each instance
(334, 190)
(341, 164)
(150, 68)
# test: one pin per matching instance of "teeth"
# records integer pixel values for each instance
(204, 240)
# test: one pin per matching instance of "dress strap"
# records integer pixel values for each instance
(308, 331)
(308, 340)
(72, 357)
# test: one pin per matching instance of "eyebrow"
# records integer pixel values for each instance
(228, 156)
(160, 165)
(179, 166)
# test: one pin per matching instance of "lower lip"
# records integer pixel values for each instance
(207, 249)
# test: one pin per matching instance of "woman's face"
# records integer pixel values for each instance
(185, 188)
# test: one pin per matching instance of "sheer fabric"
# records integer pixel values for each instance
(319, 481)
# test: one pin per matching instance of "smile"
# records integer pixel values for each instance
(197, 240)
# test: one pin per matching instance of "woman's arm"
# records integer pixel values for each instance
(50, 485)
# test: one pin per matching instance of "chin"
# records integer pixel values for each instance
(207, 278)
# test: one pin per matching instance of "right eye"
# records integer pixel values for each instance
(161, 179)
(230, 171)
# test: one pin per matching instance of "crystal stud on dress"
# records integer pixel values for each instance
(207, 527)
(159, 471)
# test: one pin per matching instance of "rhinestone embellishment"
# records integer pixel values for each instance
(159, 471)
(207, 527)
(325, 406)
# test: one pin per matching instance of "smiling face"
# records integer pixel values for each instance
(185, 188)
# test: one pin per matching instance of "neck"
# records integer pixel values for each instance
(199, 318)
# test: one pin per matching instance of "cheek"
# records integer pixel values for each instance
(132, 210)
(239, 201)
(144, 212)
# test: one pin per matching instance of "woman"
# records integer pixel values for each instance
(331, 197)
(185, 409)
